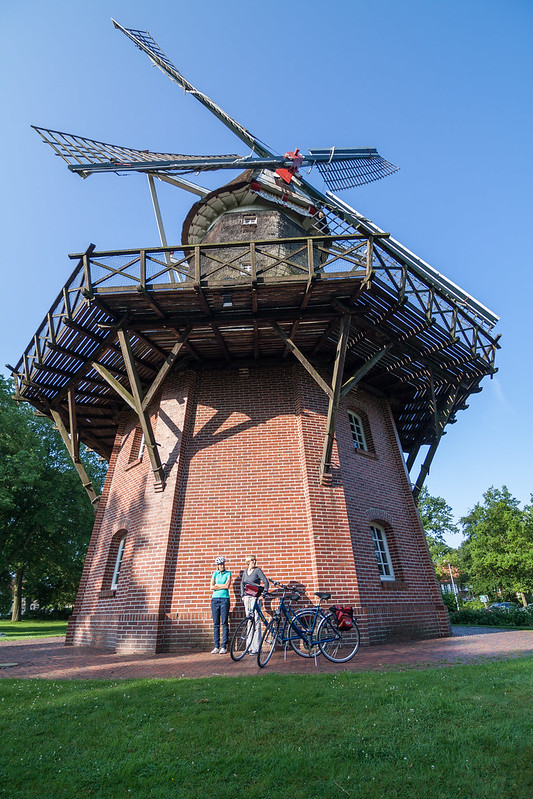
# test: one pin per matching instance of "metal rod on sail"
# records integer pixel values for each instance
(160, 225)
(144, 42)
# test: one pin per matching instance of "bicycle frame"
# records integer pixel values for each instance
(290, 620)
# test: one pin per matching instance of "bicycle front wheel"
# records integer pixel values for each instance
(306, 620)
(336, 645)
(268, 642)
(242, 638)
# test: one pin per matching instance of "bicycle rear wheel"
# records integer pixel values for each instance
(336, 645)
(304, 619)
(268, 641)
(242, 638)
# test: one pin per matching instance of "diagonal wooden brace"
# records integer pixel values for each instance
(303, 360)
(165, 369)
(443, 418)
(366, 367)
(335, 396)
(137, 396)
(71, 443)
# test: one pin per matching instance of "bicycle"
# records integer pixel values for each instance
(313, 631)
(244, 633)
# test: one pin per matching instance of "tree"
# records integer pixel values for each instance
(498, 551)
(45, 515)
(437, 520)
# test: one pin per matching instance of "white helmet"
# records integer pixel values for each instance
(219, 560)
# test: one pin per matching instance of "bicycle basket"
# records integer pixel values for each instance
(253, 589)
(343, 616)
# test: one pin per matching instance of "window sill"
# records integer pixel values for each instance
(133, 463)
(365, 453)
(394, 585)
(108, 593)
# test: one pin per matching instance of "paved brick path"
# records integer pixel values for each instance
(47, 657)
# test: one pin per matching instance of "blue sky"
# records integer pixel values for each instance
(443, 89)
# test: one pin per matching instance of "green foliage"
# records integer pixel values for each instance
(449, 601)
(494, 618)
(437, 520)
(45, 515)
(333, 735)
(498, 551)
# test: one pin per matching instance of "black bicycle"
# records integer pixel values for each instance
(245, 631)
(309, 632)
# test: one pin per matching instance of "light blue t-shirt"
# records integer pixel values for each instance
(220, 578)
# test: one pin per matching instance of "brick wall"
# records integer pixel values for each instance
(241, 449)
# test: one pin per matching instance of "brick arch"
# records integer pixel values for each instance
(379, 516)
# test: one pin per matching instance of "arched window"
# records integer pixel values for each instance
(358, 431)
(118, 563)
(381, 548)
(137, 445)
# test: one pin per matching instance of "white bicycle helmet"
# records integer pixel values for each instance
(219, 560)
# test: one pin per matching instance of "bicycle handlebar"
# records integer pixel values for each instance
(287, 588)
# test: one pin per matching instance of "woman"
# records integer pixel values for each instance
(253, 574)
(220, 584)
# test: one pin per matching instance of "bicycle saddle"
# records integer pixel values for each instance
(323, 595)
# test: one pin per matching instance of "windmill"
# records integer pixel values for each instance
(286, 361)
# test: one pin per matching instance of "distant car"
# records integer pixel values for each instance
(502, 606)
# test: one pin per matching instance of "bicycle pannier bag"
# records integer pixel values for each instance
(253, 589)
(344, 616)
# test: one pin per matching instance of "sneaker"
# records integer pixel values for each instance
(223, 651)
(215, 651)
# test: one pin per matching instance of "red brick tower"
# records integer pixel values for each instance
(255, 389)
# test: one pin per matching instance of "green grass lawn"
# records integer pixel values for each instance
(33, 628)
(461, 732)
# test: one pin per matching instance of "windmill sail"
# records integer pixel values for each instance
(345, 169)
(86, 156)
(144, 42)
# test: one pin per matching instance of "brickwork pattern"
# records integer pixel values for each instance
(241, 450)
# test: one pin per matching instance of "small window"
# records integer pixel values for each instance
(358, 434)
(118, 563)
(249, 219)
(381, 549)
(137, 446)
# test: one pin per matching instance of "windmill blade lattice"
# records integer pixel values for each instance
(144, 42)
(346, 169)
(86, 156)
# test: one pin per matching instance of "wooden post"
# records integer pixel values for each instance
(335, 396)
(443, 417)
(137, 393)
(78, 465)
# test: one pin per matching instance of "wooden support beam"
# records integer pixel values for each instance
(78, 465)
(303, 360)
(154, 305)
(335, 396)
(74, 435)
(114, 383)
(165, 369)
(256, 340)
(443, 418)
(364, 369)
(412, 457)
(433, 403)
(220, 339)
(137, 392)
